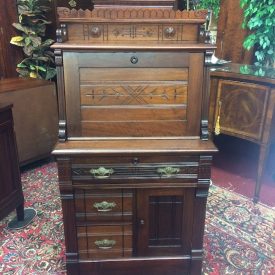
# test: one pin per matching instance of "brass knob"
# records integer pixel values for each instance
(134, 60)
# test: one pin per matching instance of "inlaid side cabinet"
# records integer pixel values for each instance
(134, 156)
(242, 104)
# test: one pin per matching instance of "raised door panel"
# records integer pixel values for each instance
(133, 94)
(164, 221)
(241, 108)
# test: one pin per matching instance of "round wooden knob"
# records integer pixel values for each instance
(95, 31)
(169, 32)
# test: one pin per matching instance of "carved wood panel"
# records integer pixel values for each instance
(131, 13)
(155, 96)
(100, 32)
(129, 94)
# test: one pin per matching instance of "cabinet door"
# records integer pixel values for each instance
(242, 108)
(165, 220)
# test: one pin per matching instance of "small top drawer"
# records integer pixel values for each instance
(111, 205)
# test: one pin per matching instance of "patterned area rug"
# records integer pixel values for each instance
(239, 236)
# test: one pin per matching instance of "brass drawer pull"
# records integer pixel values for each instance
(105, 243)
(102, 173)
(104, 206)
(168, 171)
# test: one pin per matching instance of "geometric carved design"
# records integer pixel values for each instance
(132, 31)
(130, 13)
(133, 94)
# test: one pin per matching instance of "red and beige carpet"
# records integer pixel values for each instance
(239, 236)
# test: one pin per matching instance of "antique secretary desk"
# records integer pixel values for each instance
(133, 154)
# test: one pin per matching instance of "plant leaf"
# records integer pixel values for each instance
(18, 41)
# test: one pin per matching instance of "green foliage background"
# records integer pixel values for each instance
(213, 5)
(259, 17)
(39, 61)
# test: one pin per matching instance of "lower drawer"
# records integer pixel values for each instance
(104, 241)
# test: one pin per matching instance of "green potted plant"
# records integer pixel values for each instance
(39, 59)
(259, 17)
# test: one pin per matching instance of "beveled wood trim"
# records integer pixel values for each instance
(112, 146)
(121, 47)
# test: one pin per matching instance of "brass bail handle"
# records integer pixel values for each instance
(168, 171)
(105, 243)
(217, 125)
(104, 206)
(102, 172)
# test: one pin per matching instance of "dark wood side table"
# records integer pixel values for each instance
(11, 195)
(242, 99)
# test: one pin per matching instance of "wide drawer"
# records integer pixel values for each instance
(129, 59)
(154, 170)
(105, 169)
(104, 241)
(110, 205)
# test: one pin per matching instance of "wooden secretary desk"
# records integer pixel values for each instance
(133, 157)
